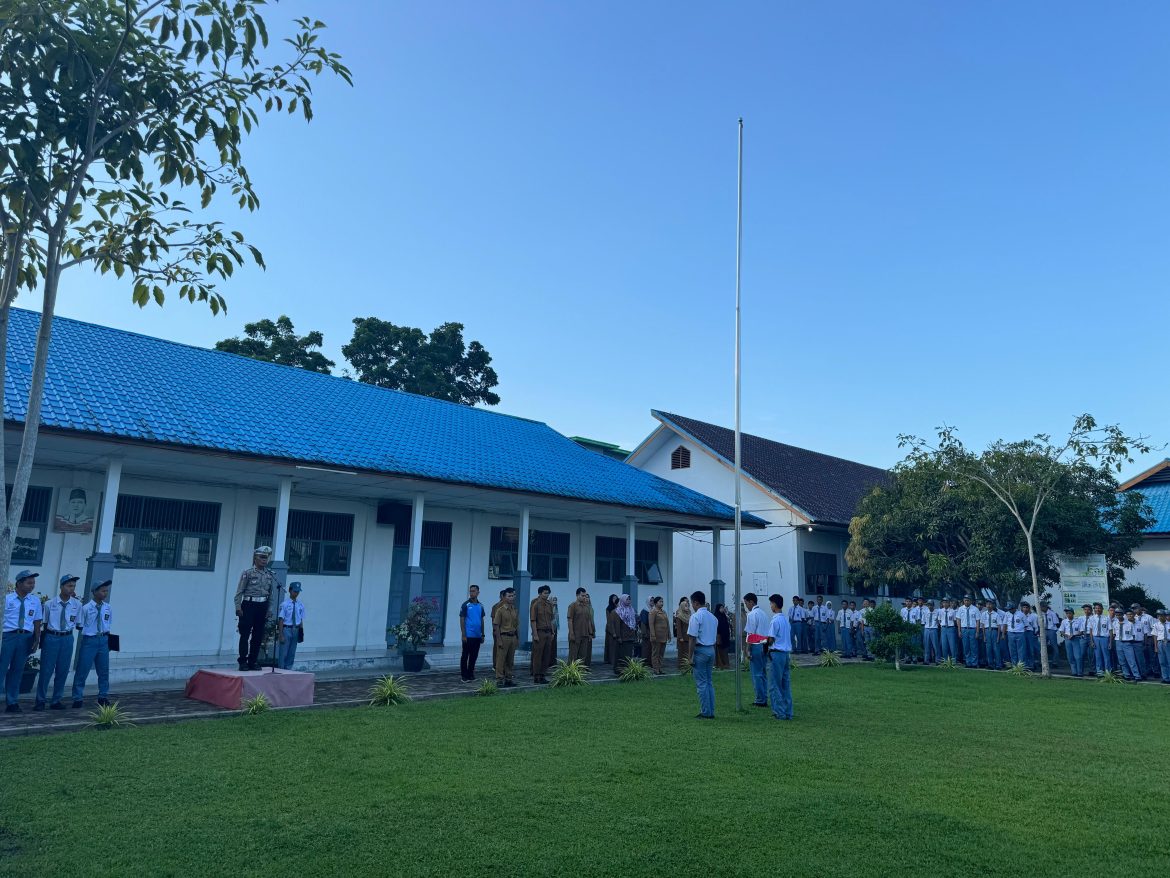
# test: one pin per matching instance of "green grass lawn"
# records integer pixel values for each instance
(924, 772)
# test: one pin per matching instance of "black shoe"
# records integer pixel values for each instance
(103, 702)
(464, 680)
(76, 704)
(243, 664)
(56, 705)
(253, 666)
(40, 705)
(759, 704)
(15, 708)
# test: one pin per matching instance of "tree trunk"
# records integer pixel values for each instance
(1045, 668)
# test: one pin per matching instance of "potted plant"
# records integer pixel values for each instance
(29, 676)
(413, 631)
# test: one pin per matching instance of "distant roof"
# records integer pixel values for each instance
(1154, 485)
(114, 383)
(606, 448)
(827, 488)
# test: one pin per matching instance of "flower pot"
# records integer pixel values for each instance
(414, 661)
(27, 679)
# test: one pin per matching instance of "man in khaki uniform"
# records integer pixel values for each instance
(659, 635)
(506, 626)
(540, 617)
(495, 630)
(581, 628)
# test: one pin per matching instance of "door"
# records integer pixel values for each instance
(435, 561)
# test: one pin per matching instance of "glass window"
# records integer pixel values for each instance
(610, 560)
(158, 533)
(318, 543)
(29, 545)
(548, 554)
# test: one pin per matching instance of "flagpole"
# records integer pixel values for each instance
(739, 651)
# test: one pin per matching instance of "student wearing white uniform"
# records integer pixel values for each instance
(757, 624)
(1126, 634)
(1098, 630)
(967, 622)
(1162, 639)
(1072, 630)
(23, 615)
(989, 634)
(779, 654)
(704, 628)
(844, 628)
(290, 620)
(94, 622)
(930, 619)
(948, 638)
(57, 643)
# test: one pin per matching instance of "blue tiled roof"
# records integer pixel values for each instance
(115, 383)
(1157, 495)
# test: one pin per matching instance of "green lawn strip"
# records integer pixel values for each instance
(923, 772)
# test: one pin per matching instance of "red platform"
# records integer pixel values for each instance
(230, 689)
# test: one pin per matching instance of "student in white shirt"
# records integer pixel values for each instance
(779, 655)
(290, 630)
(1098, 631)
(967, 626)
(23, 615)
(757, 624)
(1162, 638)
(1127, 634)
(704, 628)
(94, 622)
(57, 643)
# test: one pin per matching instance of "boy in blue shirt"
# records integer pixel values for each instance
(471, 616)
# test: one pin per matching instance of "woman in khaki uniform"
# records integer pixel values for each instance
(623, 626)
(659, 634)
(682, 621)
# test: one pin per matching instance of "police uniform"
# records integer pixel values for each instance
(22, 624)
(506, 622)
(94, 622)
(540, 617)
(291, 617)
(57, 646)
(253, 594)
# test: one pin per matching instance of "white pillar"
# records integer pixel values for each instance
(416, 529)
(716, 546)
(631, 531)
(105, 540)
(522, 560)
(280, 536)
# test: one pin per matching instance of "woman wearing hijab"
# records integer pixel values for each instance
(623, 626)
(722, 637)
(613, 602)
(682, 621)
(659, 634)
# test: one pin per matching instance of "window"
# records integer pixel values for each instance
(820, 573)
(29, 545)
(157, 533)
(680, 458)
(610, 560)
(548, 554)
(319, 543)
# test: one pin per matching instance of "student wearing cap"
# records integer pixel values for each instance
(932, 619)
(94, 621)
(1031, 636)
(1162, 638)
(703, 628)
(845, 630)
(253, 594)
(863, 634)
(948, 634)
(1016, 621)
(1149, 661)
(1097, 629)
(57, 643)
(989, 635)
(756, 624)
(290, 627)
(1139, 640)
(23, 615)
(779, 655)
(1072, 629)
(506, 628)
(967, 623)
(1125, 634)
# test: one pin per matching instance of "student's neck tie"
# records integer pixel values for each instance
(22, 600)
(99, 618)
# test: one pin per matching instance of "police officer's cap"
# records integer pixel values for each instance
(294, 586)
(68, 578)
(263, 550)
(25, 574)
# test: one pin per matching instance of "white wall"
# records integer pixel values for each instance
(1153, 570)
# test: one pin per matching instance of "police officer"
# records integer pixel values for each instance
(94, 620)
(506, 628)
(290, 626)
(23, 615)
(57, 643)
(540, 618)
(253, 594)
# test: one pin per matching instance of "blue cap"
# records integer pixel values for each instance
(294, 586)
(25, 574)
(1009, 606)
(67, 578)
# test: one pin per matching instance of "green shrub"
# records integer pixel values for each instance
(387, 691)
(1111, 677)
(634, 671)
(949, 664)
(574, 673)
(829, 659)
(686, 666)
(109, 716)
(488, 687)
(792, 663)
(1019, 669)
(257, 705)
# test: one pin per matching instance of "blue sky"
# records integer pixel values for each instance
(954, 212)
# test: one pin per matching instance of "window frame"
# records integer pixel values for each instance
(185, 507)
(499, 548)
(615, 557)
(25, 522)
(317, 546)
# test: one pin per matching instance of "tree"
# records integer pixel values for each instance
(895, 637)
(403, 358)
(1027, 475)
(111, 111)
(278, 343)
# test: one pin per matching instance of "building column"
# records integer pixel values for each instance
(100, 565)
(718, 586)
(277, 564)
(414, 571)
(630, 580)
(522, 582)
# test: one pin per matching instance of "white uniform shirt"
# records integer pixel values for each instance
(1125, 631)
(1080, 625)
(33, 612)
(92, 622)
(916, 614)
(703, 627)
(968, 616)
(1066, 627)
(292, 612)
(1162, 631)
(949, 617)
(843, 618)
(1099, 625)
(1146, 621)
(1018, 622)
(1031, 622)
(62, 616)
(905, 613)
(781, 633)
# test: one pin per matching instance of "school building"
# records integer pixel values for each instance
(808, 499)
(162, 466)
(1153, 555)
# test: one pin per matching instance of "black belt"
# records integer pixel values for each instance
(60, 633)
(508, 633)
(14, 631)
(292, 626)
(103, 634)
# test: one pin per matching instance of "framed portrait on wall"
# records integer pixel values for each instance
(75, 513)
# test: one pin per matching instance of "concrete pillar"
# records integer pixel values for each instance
(630, 580)
(277, 564)
(100, 566)
(414, 571)
(522, 582)
(718, 587)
